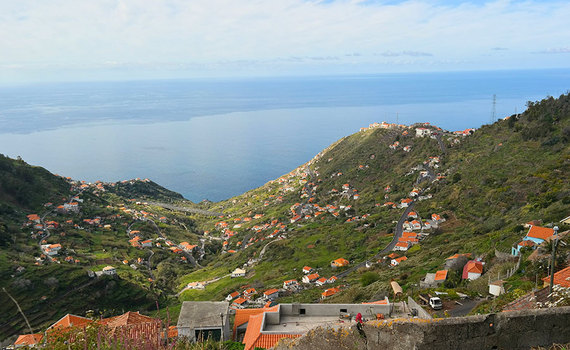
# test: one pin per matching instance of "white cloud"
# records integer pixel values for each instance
(142, 33)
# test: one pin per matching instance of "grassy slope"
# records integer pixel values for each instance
(505, 174)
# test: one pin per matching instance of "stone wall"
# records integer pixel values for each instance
(507, 330)
(422, 313)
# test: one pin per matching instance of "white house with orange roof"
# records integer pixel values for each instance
(402, 246)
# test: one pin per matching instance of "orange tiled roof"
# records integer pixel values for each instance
(468, 255)
(254, 338)
(341, 262)
(29, 339)
(270, 291)
(540, 232)
(68, 321)
(527, 243)
(313, 276)
(242, 315)
(561, 278)
(441, 275)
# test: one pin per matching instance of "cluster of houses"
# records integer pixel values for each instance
(249, 296)
(409, 237)
(131, 327)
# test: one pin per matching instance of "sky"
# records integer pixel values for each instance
(66, 40)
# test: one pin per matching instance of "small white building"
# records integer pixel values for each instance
(238, 273)
(496, 288)
(109, 270)
(421, 132)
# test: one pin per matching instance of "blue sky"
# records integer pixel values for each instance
(145, 39)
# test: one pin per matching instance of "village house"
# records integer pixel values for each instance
(472, 270)
(307, 270)
(310, 278)
(109, 271)
(147, 243)
(51, 249)
(329, 292)
(271, 294)
(290, 284)
(332, 279)
(537, 235)
(238, 273)
(339, 263)
(240, 303)
(265, 327)
(421, 132)
(402, 246)
(232, 296)
(28, 340)
(187, 247)
(195, 285)
(248, 293)
(397, 261)
(321, 281)
(561, 278)
(201, 320)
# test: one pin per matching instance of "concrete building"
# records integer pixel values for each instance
(266, 327)
(200, 320)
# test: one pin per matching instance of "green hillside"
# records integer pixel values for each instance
(343, 203)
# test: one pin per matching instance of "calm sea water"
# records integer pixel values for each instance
(218, 138)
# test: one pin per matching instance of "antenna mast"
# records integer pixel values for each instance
(494, 113)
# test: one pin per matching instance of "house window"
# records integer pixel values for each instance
(344, 310)
(302, 311)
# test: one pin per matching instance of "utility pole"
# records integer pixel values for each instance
(554, 244)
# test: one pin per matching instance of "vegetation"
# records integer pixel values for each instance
(504, 175)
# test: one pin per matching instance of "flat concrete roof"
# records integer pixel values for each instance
(199, 314)
(302, 324)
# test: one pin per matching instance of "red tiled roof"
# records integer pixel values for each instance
(472, 266)
(270, 291)
(561, 278)
(528, 301)
(540, 232)
(128, 318)
(29, 339)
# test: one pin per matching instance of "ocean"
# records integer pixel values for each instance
(214, 139)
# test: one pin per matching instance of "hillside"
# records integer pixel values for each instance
(470, 192)
(486, 185)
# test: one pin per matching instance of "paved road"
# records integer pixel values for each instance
(397, 234)
(441, 144)
(186, 209)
